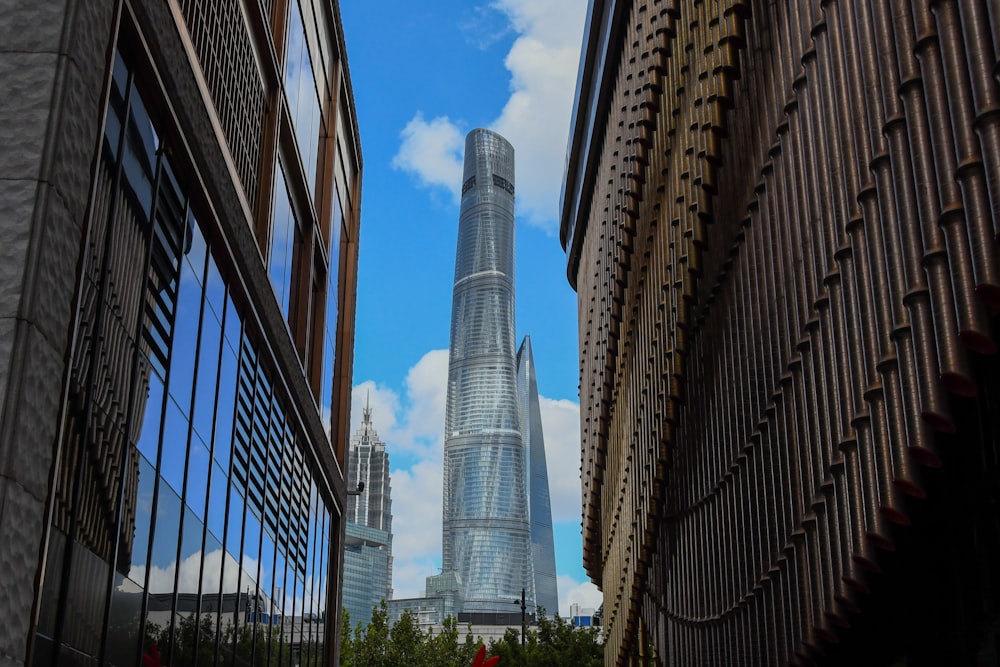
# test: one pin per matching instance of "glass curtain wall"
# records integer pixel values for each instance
(186, 521)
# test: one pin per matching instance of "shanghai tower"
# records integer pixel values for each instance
(486, 536)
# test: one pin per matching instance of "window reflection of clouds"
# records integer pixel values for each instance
(282, 242)
(167, 554)
(301, 92)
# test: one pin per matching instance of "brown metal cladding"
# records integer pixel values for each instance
(783, 234)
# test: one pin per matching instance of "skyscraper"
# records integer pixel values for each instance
(180, 197)
(486, 535)
(780, 219)
(543, 555)
(368, 541)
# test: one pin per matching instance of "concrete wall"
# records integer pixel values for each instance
(52, 68)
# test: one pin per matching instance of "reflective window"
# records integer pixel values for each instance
(175, 434)
(217, 501)
(332, 312)
(197, 476)
(285, 237)
(302, 95)
(209, 427)
(163, 564)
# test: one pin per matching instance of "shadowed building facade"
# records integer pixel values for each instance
(180, 183)
(781, 222)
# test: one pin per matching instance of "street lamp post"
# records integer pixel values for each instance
(524, 656)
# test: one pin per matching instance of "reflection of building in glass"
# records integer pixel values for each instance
(543, 555)
(368, 539)
(175, 326)
(781, 222)
(486, 535)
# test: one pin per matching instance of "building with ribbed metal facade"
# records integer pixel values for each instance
(486, 535)
(781, 222)
(543, 555)
(368, 538)
(180, 183)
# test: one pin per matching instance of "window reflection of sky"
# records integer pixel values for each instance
(301, 92)
(282, 242)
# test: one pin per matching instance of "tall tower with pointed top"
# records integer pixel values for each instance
(368, 534)
(543, 556)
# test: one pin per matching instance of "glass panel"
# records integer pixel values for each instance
(123, 622)
(321, 590)
(188, 580)
(195, 250)
(278, 604)
(233, 604)
(150, 437)
(197, 477)
(233, 323)
(143, 520)
(211, 578)
(332, 313)
(208, 368)
(185, 337)
(140, 154)
(224, 408)
(303, 100)
(267, 573)
(164, 559)
(234, 530)
(215, 288)
(283, 239)
(175, 433)
(217, 501)
(251, 551)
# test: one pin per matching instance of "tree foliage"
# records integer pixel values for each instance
(553, 643)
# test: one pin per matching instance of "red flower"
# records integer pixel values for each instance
(481, 660)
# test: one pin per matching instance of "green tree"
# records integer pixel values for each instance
(346, 641)
(554, 643)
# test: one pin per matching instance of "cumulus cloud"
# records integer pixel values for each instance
(583, 593)
(432, 150)
(542, 62)
(561, 430)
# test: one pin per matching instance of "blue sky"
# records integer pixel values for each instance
(424, 74)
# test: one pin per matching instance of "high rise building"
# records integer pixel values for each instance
(781, 223)
(486, 534)
(180, 182)
(543, 555)
(368, 540)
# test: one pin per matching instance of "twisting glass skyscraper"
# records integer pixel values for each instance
(486, 536)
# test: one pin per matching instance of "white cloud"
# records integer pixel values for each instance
(542, 62)
(561, 430)
(416, 511)
(433, 151)
(571, 591)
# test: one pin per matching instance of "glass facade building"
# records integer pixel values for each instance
(486, 535)
(175, 382)
(543, 555)
(368, 540)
